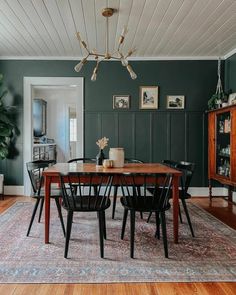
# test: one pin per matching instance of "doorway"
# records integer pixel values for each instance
(36, 86)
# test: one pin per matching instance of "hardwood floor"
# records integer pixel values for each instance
(218, 207)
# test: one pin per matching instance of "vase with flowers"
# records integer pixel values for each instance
(102, 143)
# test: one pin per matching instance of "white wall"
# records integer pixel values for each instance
(58, 101)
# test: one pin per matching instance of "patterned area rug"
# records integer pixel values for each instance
(210, 256)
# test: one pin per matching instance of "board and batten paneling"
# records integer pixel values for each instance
(151, 136)
(161, 136)
(109, 128)
(142, 136)
(177, 136)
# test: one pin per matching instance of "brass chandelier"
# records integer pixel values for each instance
(116, 55)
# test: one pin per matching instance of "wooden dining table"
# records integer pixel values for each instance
(51, 175)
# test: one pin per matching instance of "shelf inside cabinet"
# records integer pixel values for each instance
(224, 155)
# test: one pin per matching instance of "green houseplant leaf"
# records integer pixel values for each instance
(7, 126)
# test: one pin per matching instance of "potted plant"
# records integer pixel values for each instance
(7, 129)
(219, 97)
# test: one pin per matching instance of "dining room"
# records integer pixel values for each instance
(144, 200)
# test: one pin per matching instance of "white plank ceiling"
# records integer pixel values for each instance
(157, 28)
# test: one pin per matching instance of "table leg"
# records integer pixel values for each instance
(175, 196)
(47, 207)
(230, 194)
(210, 189)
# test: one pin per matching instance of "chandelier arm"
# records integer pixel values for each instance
(114, 55)
(130, 52)
(117, 52)
(104, 56)
(86, 57)
(97, 54)
(118, 49)
(84, 45)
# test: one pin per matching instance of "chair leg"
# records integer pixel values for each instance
(124, 223)
(95, 189)
(132, 227)
(163, 226)
(33, 215)
(139, 193)
(68, 231)
(104, 224)
(41, 209)
(114, 201)
(60, 215)
(157, 235)
(187, 215)
(180, 216)
(149, 216)
(101, 234)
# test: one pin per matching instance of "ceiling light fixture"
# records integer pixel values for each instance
(117, 55)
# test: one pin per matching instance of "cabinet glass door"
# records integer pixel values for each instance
(223, 129)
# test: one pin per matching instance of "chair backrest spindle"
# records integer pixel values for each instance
(158, 198)
(83, 198)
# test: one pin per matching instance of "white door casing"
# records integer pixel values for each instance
(29, 83)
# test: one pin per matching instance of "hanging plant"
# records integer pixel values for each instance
(7, 127)
(219, 97)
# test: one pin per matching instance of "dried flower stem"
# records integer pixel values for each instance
(102, 143)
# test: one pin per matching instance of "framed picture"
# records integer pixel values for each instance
(232, 98)
(121, 101)
(175, 101)
(148, 97)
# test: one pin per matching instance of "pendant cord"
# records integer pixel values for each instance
(107, 35)
(219, 84)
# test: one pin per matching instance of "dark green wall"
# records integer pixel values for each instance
(230, 74)
(146, 135)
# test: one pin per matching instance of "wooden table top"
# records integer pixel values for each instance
(66, 168)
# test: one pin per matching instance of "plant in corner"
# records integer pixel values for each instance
(219, 96)
(7, 126)
(8, 130)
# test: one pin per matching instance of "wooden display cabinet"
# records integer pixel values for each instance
(222, 148)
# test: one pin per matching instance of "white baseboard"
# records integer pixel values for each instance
(14, 190)
(204, 191)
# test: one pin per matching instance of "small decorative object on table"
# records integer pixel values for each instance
(117, 155)
(102, 143)
(107, 163)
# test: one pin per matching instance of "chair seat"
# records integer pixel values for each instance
(87, 204)
(54, 193)
(182, 195)
(142, 204)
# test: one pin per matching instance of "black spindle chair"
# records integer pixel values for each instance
(187, 170)
(136, 198)
(35, 170)
(86, 199)
(116, 186)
